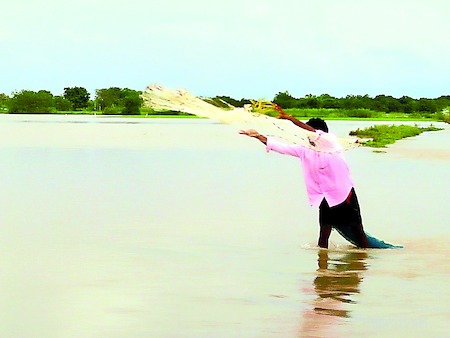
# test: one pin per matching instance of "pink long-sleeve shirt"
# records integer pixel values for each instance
(326, 174)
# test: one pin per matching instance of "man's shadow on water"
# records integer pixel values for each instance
(337, 281)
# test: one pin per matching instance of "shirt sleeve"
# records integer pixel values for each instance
(284, 148)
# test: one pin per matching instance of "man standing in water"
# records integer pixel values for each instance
(327, 178)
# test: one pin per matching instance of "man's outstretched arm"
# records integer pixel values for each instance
(285, 116)
(272, 144)
(253, 133)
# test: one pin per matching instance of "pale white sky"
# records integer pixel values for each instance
(240, 48)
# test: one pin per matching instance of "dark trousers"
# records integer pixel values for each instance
(348, 215)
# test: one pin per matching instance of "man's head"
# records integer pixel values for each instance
(317, 123)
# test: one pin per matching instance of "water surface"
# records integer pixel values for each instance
(183, 228)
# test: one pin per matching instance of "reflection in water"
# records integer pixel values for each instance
(337, 281)
(336, 284)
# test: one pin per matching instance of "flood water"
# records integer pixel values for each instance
(183, 228)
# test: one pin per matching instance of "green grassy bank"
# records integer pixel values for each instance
(382, 135)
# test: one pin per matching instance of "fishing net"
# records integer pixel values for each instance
(180, 100)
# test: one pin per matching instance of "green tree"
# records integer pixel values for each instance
(3, 101)
(62, 104)
(380, 103)
(426, 105)
(131, 101)
(285, 100)
(442, 102)
(27, 101)
(392, 104)
(362, 101)
(132, 105)
(328, 102)
(78, 96)
(108, 97)
(116, 100)
(406, 104)
(312, 101)
(350, 102)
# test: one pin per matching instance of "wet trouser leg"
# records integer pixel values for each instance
(325, 231)
(346, 218)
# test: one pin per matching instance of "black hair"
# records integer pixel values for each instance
(318, 123)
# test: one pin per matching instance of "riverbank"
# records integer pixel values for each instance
(382, 135)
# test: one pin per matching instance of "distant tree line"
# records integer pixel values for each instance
(115, 100)
(109, 100)
(381, 103)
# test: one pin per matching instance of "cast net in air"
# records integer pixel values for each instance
(160, 98)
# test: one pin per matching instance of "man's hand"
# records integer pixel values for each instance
(255, 134)
(282, 114)
(249, 132)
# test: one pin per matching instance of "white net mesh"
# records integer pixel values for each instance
(160, 98)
